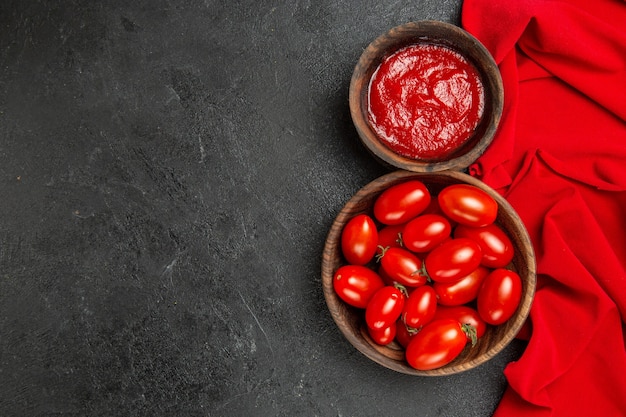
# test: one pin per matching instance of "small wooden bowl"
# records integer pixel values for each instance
(440, 33)
(351, 321)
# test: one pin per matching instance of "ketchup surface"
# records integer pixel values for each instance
(425, 101)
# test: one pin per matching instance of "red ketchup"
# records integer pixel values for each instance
(425, 101)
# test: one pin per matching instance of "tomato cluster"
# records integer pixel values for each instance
(431, 271)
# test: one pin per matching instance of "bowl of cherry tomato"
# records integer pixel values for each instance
(428, 273)
(426, 96)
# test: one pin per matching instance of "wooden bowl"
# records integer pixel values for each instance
(351, 321)
(443, 34)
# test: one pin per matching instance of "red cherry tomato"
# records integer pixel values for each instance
(495, 245)
(464, 315)
(384, 308)
(499, 296)
(425, 232)
(453, 259)
(401, 202)
(389, 236)
(356, 284)
(385, 276)
(403, 267)
(419, 308)
(404, 334)
(462, 291)
(436, 345)
(383, 336)
(433, 208)
(467, 204)
(359, 240)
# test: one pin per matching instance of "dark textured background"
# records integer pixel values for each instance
(168, 173)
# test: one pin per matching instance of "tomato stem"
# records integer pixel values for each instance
(402, 289)
(383, 249)
(399, 239)
(412, 330)
(470, 331)
(423, 272)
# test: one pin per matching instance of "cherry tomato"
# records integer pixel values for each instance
(464, 315)
(389, 236)
(384, 308)
(359, 240)
(436, 345)
(383, 336)
(404, 334)
(390, 281)
(433, 207)
(403, 267)
(401, 202)
(453, 259)
(385, 276)
(499, 296)
(420, 307)
(495, 245)
(467, 204)
(425, 232)
(462, 291)
(356, 284)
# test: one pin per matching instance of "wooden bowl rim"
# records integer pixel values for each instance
(411, 33)
(337, 307)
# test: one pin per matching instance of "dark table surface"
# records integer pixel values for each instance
(168, 173)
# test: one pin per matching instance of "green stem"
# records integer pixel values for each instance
(383, 249)
(412, 330)
(399, 240)
(402, 289)
(423, 272)
(470, 331)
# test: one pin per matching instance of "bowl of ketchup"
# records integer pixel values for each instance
(426, 96)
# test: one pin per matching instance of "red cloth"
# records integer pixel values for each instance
(559, 157)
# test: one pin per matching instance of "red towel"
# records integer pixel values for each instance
(560, 158)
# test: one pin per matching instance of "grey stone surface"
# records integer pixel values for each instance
(168, 173)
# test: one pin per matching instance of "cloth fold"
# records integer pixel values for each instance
(559, 157)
